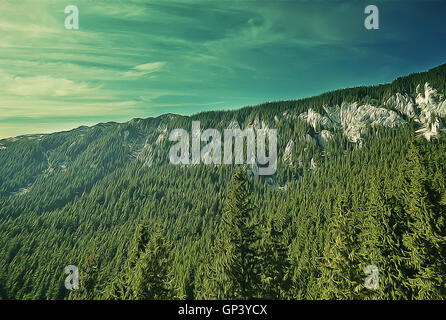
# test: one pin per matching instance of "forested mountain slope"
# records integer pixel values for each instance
(366, 162)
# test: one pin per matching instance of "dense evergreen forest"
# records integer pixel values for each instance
(106, 199)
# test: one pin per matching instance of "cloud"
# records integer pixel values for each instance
(45, 96)
(46, 109)
(143, 57)
(144, 69)
(46, 86)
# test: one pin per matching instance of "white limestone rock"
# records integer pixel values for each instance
(316, 120)
(404, 104)
(430, 102)
(354, 117)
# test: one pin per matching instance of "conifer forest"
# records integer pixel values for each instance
(360, 188)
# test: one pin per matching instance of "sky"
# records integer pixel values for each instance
(143, 58)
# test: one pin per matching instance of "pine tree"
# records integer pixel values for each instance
(341, 273)
(119, 288)
(426, 238)
(146, 271)
(381, 242)
(275, 265)
(232, 274)
(88, 276)
(149, 281)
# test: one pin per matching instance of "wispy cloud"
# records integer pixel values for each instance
(145, 69)
(46, 86)
(145, 57)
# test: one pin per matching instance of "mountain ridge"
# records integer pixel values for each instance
(64, 189)
(144, 140)
(441, 69)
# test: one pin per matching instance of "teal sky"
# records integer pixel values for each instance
(141, 58)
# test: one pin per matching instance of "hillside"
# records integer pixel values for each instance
(63, 193)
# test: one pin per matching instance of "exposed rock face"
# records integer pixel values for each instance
(404, 104)
(427, 104)
(432, 129)
(316, 120)
(430, 103)
(352, 118)
(430, 95)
